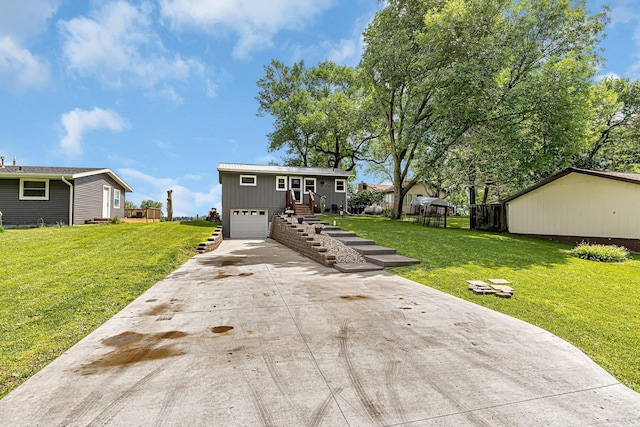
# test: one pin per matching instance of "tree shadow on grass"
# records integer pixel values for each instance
(442, 248)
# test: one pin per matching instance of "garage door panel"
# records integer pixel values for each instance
(249, 223)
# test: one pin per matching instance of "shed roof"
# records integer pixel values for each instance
(275, 170)
(56, 172)
(381, 188)
(633, 178)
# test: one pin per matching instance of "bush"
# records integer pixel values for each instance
(1, 229)
(600, 253)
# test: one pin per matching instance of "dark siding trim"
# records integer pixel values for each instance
(264, 195)
(29, 212)
(87, 200)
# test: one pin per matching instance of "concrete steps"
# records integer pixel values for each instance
(391, 260)
(338, 233)
(376, 257)
(355, 241)
(373, 250)
(358, 267)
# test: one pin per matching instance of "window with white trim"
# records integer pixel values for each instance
(34, 189)
(248, 180)
(281, 183)
(341, 185)
(116, 199)
(309, 185)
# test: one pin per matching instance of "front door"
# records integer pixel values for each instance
(106, 201)
(295, 185)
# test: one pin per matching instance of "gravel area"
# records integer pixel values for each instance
(343, 253)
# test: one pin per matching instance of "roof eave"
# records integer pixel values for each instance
(565, 173)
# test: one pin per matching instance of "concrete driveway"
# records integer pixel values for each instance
(255, 334)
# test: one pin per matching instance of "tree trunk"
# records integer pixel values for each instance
(485, 196)
(397, 197)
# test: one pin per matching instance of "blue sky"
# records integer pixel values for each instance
(162, 91)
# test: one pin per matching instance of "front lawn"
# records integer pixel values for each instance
(592, 305)
(59, 284)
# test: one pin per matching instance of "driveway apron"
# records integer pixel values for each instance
(254, 334)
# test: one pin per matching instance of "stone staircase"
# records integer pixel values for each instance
(302, 210)
(376, 257)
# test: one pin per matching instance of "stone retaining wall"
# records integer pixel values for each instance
(212, 242)
(296, 238)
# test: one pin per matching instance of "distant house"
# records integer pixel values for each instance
(417, 190)
(41, 194)
(578, 204)
(251, 194)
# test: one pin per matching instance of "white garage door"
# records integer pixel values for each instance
(249, 223)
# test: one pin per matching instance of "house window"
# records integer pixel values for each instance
(341, 185)
(309, 185)
(34, 189)
(281, 183)
(116, 199)
(248, 180)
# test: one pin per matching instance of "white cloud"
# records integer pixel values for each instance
(607, 76)
(77, 122)
(118, 46)
(212, 89)
(255, 22)
(170, 94)
(346, 51)
(19, 69)
(343, 51)
(185, 202)
(25, 18)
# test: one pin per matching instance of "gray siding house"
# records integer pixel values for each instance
(49, 195)
(252, 194)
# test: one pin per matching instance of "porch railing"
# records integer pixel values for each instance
(150, 214)
(291, 200)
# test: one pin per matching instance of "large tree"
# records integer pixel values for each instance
(481, 76)
(322, 116)
(614, 138)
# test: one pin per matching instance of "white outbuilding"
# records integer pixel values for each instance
(578, 204)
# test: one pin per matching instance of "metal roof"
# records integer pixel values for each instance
(275, 170)
(633, 178)
(55, 172)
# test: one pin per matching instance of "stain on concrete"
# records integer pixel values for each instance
(221, 329)
(354, 297)
(221, 262)
(156, 310)
(132, 347)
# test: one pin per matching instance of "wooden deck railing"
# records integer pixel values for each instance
(143, 214)
(291, 200)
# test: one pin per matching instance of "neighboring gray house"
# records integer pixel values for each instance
(251, 194)
(35, 194)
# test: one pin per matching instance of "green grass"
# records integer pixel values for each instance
(592, 305)
(59, 284)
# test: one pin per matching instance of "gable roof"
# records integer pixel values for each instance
(53, 172)
(633, 178)
(381, 188)
(277, 170)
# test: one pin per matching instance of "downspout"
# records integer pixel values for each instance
(70, 200)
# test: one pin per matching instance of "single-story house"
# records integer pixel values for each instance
(252, 194)
(42, 194)
(416, 190)
(578, 204)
